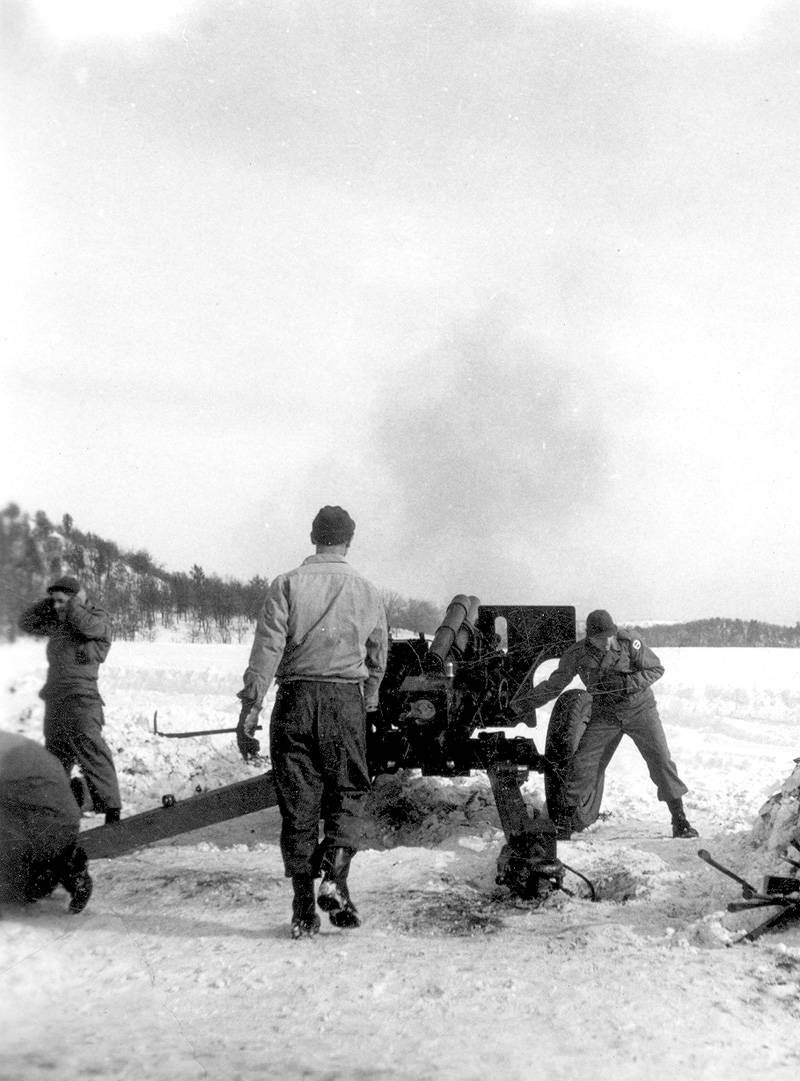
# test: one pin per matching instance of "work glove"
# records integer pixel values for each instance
(255, 687)
(248, 745)
(521, 705)
(512, 715)
(518, 712)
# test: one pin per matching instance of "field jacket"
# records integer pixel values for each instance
(618, 680)
(36, 803)
(321, 621)
(76, 646)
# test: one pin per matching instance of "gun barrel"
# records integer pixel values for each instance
(461, 610)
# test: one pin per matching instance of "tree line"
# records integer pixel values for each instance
(720, 632)
(141, 596)
(137, 592)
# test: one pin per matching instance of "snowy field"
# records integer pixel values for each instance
(181, 967)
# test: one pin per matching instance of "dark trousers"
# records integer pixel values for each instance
(600, 741)
(73, 732)
(318, 750)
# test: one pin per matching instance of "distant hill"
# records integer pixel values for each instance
(145, 600)
(142, 598)
(719, 631)
(139, 594)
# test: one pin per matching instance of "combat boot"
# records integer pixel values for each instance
(334, 897)
(305, 921)
(75, 879)
(681, 826)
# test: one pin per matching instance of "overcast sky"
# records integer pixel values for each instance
(516, 283)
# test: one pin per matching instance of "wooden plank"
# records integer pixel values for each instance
(205, 809)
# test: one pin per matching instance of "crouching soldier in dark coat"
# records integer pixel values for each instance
(79, 638)
(617, 671)
(322, 634)
(39, 824)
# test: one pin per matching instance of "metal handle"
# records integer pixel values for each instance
(767, 902)
(748, 891)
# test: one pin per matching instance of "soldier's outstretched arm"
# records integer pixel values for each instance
(375, 660)
(528, 698)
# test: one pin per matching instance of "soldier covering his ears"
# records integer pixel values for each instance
(79, 638)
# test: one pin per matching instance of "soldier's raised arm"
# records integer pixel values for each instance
(40, 619)
(92, 623)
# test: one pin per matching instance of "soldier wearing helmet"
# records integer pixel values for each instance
(618, 672)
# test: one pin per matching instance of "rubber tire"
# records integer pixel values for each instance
(567, 724)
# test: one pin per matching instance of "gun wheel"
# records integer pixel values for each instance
(567, 724)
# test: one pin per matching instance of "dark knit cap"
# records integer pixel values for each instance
(599, 622)
(332, 525)
(65, 585)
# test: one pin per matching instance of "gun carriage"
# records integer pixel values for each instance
(445, 709)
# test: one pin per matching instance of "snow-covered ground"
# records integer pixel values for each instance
(181, 966)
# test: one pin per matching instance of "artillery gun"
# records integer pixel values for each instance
(445, 707)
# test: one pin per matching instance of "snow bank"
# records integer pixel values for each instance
(193, 938)
(778, 822)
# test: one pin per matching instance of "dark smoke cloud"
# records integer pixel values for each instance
(493, 443)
